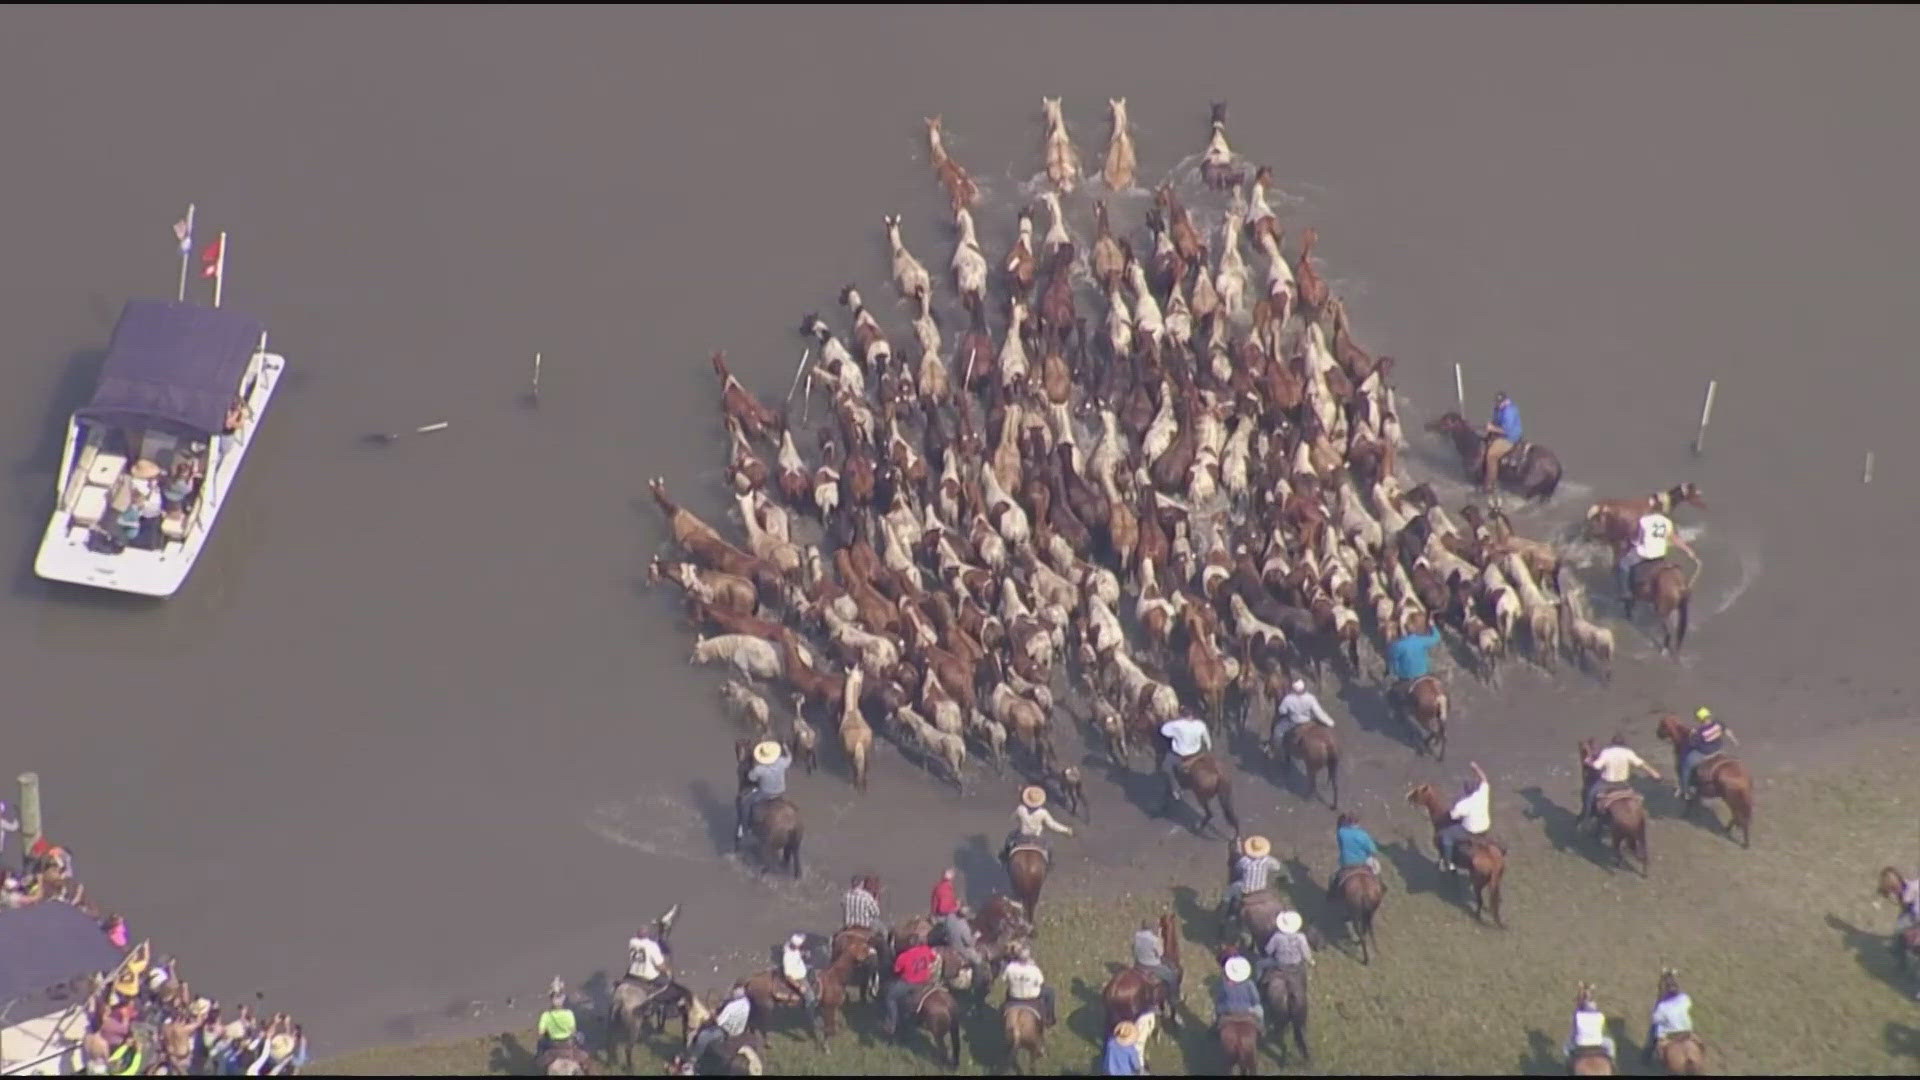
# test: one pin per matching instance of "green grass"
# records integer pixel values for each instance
(1782, 947)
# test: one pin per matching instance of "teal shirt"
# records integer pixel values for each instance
(1407, 657)
(1356, 845)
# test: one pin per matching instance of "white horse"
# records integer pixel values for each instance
(1146, 310)
(1063, 161)
(1057, 235)
(1118, 172)
(1014, 366)
(756, 658)
(969, 262)
(867, 334)
(909, 276)
(1119, 322)
(1230, 281)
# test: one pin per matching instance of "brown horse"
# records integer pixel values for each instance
(1535, 475)
(768, 991)
(845, 969)
(1286, 1002)
(1486, 863)
(936, 1013)
(1682, 1054)
(1426, 705)
(1718, 777)
(871, 946)
(1239, 1035)
(1670, 591)
(1360, 893)
(1258, 911)
(1132, 992)
(1907, 942)
(776, 825)
(1208, 782)
(1020, 1022)
(1027, 871)
(1313, 743)
(1623, 812)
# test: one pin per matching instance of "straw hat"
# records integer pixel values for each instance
(766, 752)
(144, 470)
(1256, 847)
(1237, 969)
(1126, 1033)
(1288, 922)
(1033, 798)
(280, 1046)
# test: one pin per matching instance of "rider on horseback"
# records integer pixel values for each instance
(766, 780)
(646, 961)
(1031, 822)
(860, 905)
(956, 928)
(1189, 738)
(1027, 983)
(914, 971)
(1356, 849)
(1589, 1027)
(1149, 956)
(729, 1023)
(1708, 738)
(1237, 994)
(558, 1026)
(1505, 437)
(793, 970)
(1298, 707)
(1287, 950)
(1471, 817)
(1652, 536)
(1251, 868)
(1407, 662)
(1612, 768)
(1672, 1014)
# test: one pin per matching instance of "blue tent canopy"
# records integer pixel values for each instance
(43, 947)
(174, 365)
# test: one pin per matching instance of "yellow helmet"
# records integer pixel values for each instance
(1703, 713)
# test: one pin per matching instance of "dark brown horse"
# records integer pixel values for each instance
(1670, 591)
(1027, 871)
(1208, 782)
(1286, 1001)
(1426, 705)
(1623, 812)
(936, 1012)
(1313, 744)
(1486, 863)
(1239, 1035)
(1360, 893)
(1720, 777)
(1132, 992)
(776, 825)
(1534, 473)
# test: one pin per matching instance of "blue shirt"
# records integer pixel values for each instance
(1122, 1060)
(1236, 997)
(1506, 417)
(1706, 737)
(1407, 657)
(1356, 845)
(771, 779)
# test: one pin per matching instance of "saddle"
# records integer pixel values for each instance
(1673, 1038)
(933, 985)
(1463, 849)
(1341, 875)
(1030, 1006)
(1704, 769)
(1028, 845)
(1608, 798)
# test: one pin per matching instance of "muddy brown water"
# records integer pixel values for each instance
(414, 738)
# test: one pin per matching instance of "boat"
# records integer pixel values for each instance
(149, 462)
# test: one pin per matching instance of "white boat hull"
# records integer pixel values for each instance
(66, 556)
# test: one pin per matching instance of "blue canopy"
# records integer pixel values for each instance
(174, 365)
(43, 947)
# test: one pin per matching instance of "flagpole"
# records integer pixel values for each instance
(220, 270)
(186, 253)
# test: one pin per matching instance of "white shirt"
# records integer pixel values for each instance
(1189, 736)
(1616, 763)
(1590, 1028)
(1024, 980)
(1037, 822)
(1655, 532)
(793, 963)
(1476, 810)
(733, 1016)
(644, 958)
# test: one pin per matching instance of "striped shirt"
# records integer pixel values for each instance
(862, 909)
(1254, 872)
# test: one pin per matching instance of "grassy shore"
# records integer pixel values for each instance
(1782, 947)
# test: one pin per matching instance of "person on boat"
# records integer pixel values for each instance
(1187, 739)
(793, 970)
(1708, 737)
(1296, 708)
(1612, 768)
(1149, 955)
(1251, 869)
(1672, 1014)
(646, 961)
(1504, 436)
(1589, 1028)
(1408, 662)
(1470, 819)
(729, 1023)
(180, 482)
(861, 904)
(1237, 995)
(1653, 535)
(767, 780)
(558, 1026)
(1027, 984)
(1357, 848)
(1031, 823)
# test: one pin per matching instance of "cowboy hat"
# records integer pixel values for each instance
(1287, 922)
(144, 470)
(1126, 1033)
(1299, 686)
(1237, 969)
(797, 940)
(766, 752)
(1256, 847)
(1703, 713)
(1033, 798)
(280, 1046)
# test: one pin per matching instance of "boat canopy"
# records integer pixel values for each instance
(174, 365)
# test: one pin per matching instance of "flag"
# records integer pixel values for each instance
(183, 232)
(210, 260)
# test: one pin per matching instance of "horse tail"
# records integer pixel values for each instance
(790, 851)
(1226, 805)
(1684, 613)
(1333, 772)
(953, 1036)
(1551, 484)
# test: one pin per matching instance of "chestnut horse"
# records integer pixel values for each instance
(1239, 1035)
(1624, 813)
(871, 947)
(1027, 871)
(1132, 992)
(1426, 705)
(1314, 744)
(1020, 1023)
(842, 971)
(1360, 892)
(1535, 476)
(1718, 777)
(1682, 1054)
(1486, 863)
(937, 1014)
(1208, 782)
(1670, 591)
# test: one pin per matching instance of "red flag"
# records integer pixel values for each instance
(210, 260)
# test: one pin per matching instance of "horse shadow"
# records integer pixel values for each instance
(1088, 1018)
(1903, 1040)
(510, 1057)
(1543, 1056)
(1418, 874)
(1367, 704)
(1559, 824)
(979, 867)
(716, 813)
(1310, 900)
(1147, 791)
(1197, 919)
(1874, 952)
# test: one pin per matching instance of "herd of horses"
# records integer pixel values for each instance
(1217, 463)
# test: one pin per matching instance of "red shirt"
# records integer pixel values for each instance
(944, 901)
(916, 964)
